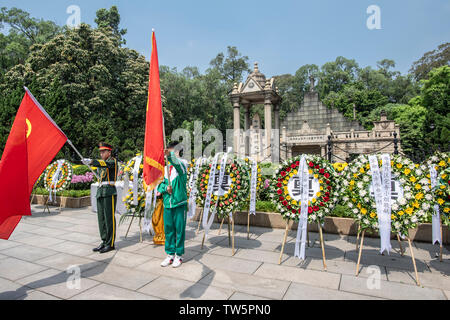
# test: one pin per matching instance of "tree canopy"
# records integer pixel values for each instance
(95, 88)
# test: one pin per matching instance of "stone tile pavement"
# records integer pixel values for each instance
(49, 256)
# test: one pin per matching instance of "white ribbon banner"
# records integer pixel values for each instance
(137, 164)
(220, 191)
(303, 174)
(55, 179)
(253, 183)
(193, 189)
(436, 217)
(206, 208)
(150, 206)
(382, 191)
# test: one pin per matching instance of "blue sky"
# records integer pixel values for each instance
(281, 35)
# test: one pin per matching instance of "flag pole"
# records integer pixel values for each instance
(164, 129)
(81, 157)
(164, 135)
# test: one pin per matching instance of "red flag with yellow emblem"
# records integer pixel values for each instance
(154, 126)
(33, 142)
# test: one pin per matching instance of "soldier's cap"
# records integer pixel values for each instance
(105, 146)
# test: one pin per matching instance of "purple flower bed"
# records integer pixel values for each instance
(82, 182)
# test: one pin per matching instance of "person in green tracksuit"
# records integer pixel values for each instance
(106, 197)
(174, 194)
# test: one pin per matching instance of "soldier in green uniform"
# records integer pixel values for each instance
(106, 196)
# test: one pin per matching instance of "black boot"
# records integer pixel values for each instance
(100, 247)
(107, 249)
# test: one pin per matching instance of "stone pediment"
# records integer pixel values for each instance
(305, 130)
(251, 85)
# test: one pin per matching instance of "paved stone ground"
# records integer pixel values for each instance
(35, 261)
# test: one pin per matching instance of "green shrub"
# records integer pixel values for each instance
(81, 170)
(65, 193)
(340, 211)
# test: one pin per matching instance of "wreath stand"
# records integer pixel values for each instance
(399, 240)
(230, 233)
(140, 227)
(199, 223)
(46, 207)
(248, 226)
(402, 252)
(307, 234)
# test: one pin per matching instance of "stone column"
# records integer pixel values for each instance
(276, 151)
(268, 124)
(247, 128)
(237, 125)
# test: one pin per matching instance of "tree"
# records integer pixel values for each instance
(292, 88)
(24, 31)
(356, 94)
(430, 60)
(110, 19)
(233, 67)
(412, 133)
(94, 89)
(435, 97)
(335, 75)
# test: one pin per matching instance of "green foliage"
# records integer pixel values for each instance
(412, 133)
(435, 97)
(94, 89)
(65, 193)
(231, 68)
(24, 31)
(265, 206)
(80, 170)
(110, 19)
(431, 60)
(341, 211)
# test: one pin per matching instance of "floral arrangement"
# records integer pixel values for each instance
(128, 199)
(64, 178)
(322, 197)
(413, 187)
(441, 162)
(236, 191)
(259, 182)
(442, 194)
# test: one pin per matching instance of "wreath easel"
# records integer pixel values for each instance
(286, 189)
(226, 205)
(410, 205)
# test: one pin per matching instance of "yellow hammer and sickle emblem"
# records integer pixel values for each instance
(29, 127)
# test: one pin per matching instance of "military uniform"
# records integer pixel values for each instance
(107, 199)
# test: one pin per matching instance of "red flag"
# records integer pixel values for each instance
(154, 126)
(33, 142)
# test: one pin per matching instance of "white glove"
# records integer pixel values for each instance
(86, 161)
